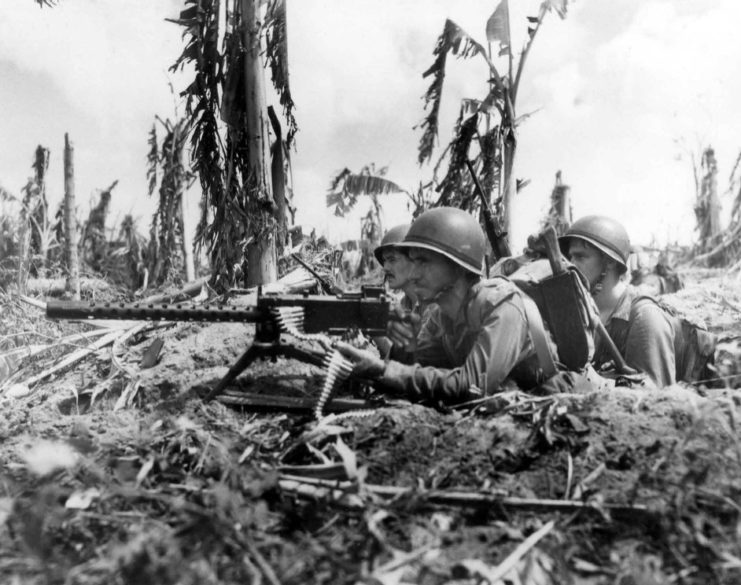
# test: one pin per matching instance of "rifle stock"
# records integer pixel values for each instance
(494, 231)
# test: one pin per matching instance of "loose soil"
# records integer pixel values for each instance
(642, 486)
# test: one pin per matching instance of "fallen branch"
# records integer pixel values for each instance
(190, 290)
(27, 352)
(261, 562)
(71, 359)
(344, 493)
(57, 286)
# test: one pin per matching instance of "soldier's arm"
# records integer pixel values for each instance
(502, 342)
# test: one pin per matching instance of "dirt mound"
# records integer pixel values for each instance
(627, 486)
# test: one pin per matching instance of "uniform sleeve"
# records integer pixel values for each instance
(498, 347)
(650, 343)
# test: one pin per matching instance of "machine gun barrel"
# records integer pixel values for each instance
(366, 310)
(80, 310)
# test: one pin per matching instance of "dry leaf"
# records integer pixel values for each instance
(81, 499)
(144, 471)
(349, 459)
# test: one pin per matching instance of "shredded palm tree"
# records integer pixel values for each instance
(167, 250)
(238, 209)
(495, 114)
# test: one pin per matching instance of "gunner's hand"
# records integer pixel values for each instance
(365, 363)
(403, 328)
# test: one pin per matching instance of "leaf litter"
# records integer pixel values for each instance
(116, 474)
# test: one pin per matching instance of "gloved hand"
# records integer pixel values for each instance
(403, 328)
(365, 363)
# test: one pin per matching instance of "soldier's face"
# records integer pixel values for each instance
(587, 259)
(396, 268)
(432, 273)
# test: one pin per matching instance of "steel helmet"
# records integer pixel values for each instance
(604, 233)
(452, 232)
(392, 237)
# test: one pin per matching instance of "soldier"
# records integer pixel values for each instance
(643, 333)
(397, 268)
(476, 333)
(396, 265)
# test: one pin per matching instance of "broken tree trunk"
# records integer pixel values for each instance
(186, 241)
(24, 250)
(278, 178)
(560, 214)
(262, 266)
(707, 207)
(40, 215)
(70, 221)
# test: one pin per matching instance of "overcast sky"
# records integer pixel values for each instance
(623, 90)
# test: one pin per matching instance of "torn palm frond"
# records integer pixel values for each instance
(491, 164)
(456, 187)
(346, 187)
(560, 6)
(497, 28)
(454, 40)
(534, 24)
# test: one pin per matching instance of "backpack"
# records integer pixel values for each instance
(564, 313)
(694, 345)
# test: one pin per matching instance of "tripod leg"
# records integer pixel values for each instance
(239, 366)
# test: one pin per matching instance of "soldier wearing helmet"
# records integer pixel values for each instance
(599, 247)
(396, 264)
(476, 334)
(397, 268)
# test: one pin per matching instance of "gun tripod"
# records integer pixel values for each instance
(267, 344)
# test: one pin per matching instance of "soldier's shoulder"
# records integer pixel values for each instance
(494, 291)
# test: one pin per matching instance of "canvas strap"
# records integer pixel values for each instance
(539, 338)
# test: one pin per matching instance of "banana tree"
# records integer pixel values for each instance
(347, 187)
(230, 131)
(171, 255)
(489, 123)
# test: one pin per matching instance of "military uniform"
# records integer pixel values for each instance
(472, 354)
(644, 335)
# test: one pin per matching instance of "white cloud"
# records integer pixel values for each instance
(616, 83)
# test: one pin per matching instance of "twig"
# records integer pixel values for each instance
(264, 566)
(401, 560)
(590, 478)
(569, 475)
(31, 301)
(520, 551)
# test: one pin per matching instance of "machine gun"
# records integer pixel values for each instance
(307, 317)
